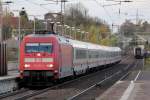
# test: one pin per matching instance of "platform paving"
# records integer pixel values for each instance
(140, 89)
(12, 71)
(115, 92)
(11, 75)
(8, 83)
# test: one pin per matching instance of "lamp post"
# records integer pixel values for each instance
(70, 32)
(19, 25)
(34, 25)
(57, 23)
(87, 36)
(19, 33)
(62, 17)
(46, 22)
(46, 25)
(75, 33)
(68, 27)
(73, 29)
(59, 31)
(82, 33)
(78, 30)
(65, 26)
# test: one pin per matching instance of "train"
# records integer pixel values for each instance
(139, 52)
(48, 57)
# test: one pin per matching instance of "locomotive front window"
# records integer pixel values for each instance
(31, 47)
(38, 47)
(45, 47)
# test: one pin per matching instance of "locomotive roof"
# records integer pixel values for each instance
(76, 43)
(40, 35)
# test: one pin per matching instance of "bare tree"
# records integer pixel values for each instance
(128, 28)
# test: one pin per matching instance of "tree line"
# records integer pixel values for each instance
(76, 15)
(98, 30)
(130, 29)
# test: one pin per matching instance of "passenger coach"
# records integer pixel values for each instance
(139, 52)
(48, 57)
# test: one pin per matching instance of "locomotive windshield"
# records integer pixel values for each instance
(38, 47)
(138, 51)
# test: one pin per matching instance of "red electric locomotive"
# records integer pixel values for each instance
(41, 58)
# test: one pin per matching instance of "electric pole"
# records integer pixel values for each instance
(62, 15)
(1, 19)
(137, 17)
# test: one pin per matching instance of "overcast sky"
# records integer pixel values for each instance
(95, 7)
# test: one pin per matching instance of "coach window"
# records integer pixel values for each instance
(81, 54)
(93, 54)
(97, 54)
(103, 55)
(89, 54)
(107, 54)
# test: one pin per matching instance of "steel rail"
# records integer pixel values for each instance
(100, 82)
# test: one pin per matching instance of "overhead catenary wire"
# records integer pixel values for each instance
(29, 1)
(104, 10)
(107, 13)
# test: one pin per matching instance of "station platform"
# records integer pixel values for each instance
(8, 77)
(8, 82)
(11, 75)
(129, 90)
(12, 72)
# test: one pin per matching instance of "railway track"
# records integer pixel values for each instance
(26, 93)
(89, 93)
(71, 89)
(8, 95)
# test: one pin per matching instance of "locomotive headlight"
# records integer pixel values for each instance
(56, 71)
(50, 65)
(38, 54)
(27, 65)
(21, 71)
